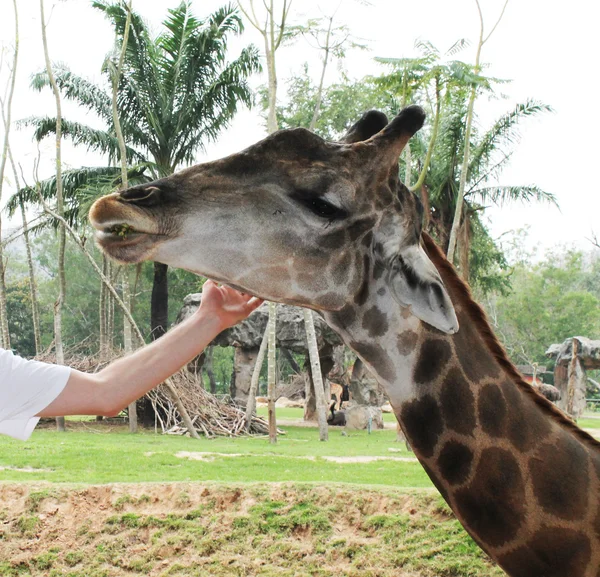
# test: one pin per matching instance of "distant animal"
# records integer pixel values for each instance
(336, 418)
(341, 394)
(548, 391)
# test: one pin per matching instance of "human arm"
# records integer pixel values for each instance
(129, 378)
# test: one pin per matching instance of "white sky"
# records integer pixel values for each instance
(549, 49)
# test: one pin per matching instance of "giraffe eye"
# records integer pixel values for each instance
(322, 208)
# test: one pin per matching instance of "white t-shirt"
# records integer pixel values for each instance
(26, 387)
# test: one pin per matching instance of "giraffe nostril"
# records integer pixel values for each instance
(141, 195)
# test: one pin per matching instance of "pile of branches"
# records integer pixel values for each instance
(76, 358)
(210, 416)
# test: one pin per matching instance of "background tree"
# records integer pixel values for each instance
(6, 115)
(176, 93)
(458, 213)
(552, 299)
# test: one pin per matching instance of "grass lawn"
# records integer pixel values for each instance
(82, 456)
(287, 413)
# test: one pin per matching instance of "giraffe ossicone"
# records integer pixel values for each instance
(330, 226)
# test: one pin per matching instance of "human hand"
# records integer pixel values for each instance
(226, 304)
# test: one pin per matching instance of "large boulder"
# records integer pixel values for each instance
(290, 332)
(247, 335)
(358, 416)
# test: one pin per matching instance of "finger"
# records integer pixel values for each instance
(254, 303)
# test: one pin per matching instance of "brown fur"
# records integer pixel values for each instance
(459, 289)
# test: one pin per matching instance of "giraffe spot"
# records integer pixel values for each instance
(405, 312)
(376, 356)
(493, 505)
(435, 479)
(340, 268)
(378, 269)
(311, 281)
(345, 316)
(458, 403)
(358, 228)
(559, 473)
(433, 357)
(492, 410)
(476, 360)
(330, 300)
(551, 552)
(527, 424)
(367, 239)
(422, 422)
(455, 462)
(375, 322)
(407, 341)
(363, 292)
(334, 239)
(595, 457)
(381, 291)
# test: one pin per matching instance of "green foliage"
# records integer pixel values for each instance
(20, 323)
(342, 104)
(177, 90)
(81, 321)
(552, 300)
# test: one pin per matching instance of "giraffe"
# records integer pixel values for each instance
(329, 226)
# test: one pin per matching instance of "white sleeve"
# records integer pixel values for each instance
(26, 388)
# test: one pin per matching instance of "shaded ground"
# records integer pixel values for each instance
(193, 529)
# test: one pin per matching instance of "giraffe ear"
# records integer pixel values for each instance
(370, 123)
(391, 141)
(416, 283)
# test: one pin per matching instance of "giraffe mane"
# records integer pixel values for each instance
(461, 291)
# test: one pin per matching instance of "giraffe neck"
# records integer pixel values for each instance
(524, 483)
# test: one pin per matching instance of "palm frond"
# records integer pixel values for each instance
(505, 131)
(500, 195)
(77, 89)
(81, 135)
(80, 188)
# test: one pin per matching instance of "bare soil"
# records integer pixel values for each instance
(191, 529)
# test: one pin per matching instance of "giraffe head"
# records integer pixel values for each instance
(293, 218)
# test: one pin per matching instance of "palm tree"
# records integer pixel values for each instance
(491, 150)
(176, 93)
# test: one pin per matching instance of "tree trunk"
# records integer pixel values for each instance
(260, 358)
(12, 79)
(128, 346)
(291, 360)
(102, 306)
(315, 369)
(458, 212)
(208, 367)
(127, 327)
(271, 329)
(58, 305)
(35, 311)
(319, 99)
(159, 314)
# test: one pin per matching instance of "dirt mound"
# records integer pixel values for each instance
(192, 529)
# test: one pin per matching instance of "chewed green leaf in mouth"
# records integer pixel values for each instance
(122, 230)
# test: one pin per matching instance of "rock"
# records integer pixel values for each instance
(357, 417)
(285, 402)
(248, 334)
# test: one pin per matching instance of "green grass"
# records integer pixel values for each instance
(287, 413)
(85, 457)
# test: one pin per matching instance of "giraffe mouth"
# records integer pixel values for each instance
(127, 244)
